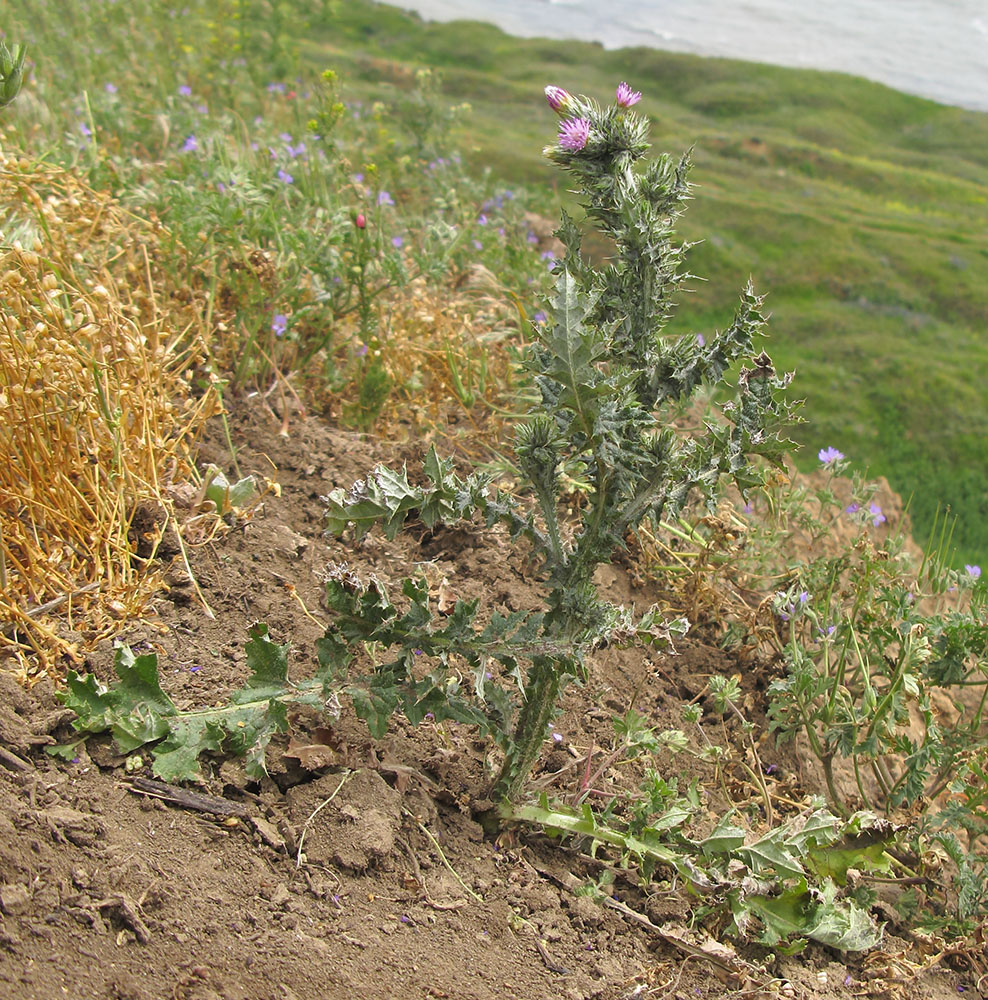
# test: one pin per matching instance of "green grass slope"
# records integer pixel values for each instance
(861, 213)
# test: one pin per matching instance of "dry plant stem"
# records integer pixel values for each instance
(315, 812)
(442, 856)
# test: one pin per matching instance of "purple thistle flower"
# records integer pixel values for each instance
(573, 134)
(384, 198)
(285, 177)
(973, 571)
(626, 97)
(559, 100)
(279, 324)
(876, 514)
(190, 145)
(829, 455)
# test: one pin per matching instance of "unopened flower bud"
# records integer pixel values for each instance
(11, 72)
(361, 221)
(559, 100)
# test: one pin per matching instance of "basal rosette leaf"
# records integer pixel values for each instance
(138, 713)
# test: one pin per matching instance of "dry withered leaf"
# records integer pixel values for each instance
(315, 750)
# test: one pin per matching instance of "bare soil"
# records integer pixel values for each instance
(358, 868)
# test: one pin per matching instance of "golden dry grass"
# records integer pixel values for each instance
(98, 412)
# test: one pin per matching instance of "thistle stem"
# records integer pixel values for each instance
(541, 693)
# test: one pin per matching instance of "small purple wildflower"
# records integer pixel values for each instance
(804, 597)
(749, 507)
(194, 670)
(75, 760)
(530, 237)
(974, 572)
(384, 198)
(557, 737)
(185, 90)
(276, 88)
(701, 340)
(481, 219)
(829, 455)
(547, 255)
(279, 324)
(110, 88)
(877, 517)
(626, 97)
(397, 242)
(85, 129)
(203, 109)
(539, 317)
(285, 177)
(477, 245)
(573, 134)
(852, 508)
(285, 136)
(358, 178)
(190, 145)
(362, 353)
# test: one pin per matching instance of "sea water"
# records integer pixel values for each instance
(933, 48)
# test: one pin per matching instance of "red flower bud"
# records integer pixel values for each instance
(361, 221)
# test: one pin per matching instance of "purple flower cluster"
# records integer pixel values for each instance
(574, 133)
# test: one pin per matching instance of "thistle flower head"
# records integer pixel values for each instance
(573, 134)
(559, 100)
(626, 97)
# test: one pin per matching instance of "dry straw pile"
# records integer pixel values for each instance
(99, 412)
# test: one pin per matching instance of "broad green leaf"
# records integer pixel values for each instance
(770, 854)
(724, 837)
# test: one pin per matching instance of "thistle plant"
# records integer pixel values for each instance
(610, 385)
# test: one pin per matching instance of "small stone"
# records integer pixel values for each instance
(14, 899)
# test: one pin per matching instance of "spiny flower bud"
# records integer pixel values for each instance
(559, 100)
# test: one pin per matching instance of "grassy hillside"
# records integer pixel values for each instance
(861, 212)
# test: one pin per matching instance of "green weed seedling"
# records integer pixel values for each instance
(609, 384)
(887, 675)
